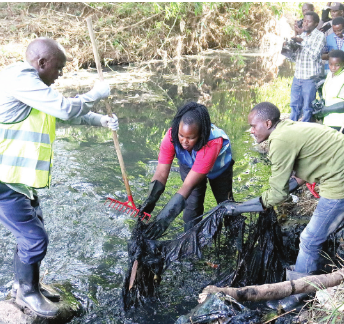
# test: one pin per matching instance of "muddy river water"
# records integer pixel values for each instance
(88, 240)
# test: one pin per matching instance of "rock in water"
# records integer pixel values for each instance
(11, 313)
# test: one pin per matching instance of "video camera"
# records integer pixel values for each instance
(289, 49)
(318, 105)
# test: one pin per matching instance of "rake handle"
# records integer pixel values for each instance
(107, 105)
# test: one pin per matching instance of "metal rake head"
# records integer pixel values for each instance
(127, 207)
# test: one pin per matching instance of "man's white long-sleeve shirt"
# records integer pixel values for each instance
(21, 89)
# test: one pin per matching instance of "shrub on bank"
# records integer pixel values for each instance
(133, 31)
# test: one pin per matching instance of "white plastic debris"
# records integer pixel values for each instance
(295, 198)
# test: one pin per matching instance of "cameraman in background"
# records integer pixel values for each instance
(336, 9)
(307, 7)
(308, 65)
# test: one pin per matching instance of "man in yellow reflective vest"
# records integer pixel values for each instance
(28, 108)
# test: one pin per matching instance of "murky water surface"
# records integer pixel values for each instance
(87, 238)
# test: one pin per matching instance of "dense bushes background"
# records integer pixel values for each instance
(134, 31)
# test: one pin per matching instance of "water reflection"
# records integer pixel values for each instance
(87, 238)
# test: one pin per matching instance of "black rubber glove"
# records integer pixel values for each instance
(336, 108)
(252, 205)
(165, 217)
(156, 188)
(293, 185)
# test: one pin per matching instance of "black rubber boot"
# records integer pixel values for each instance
(45, 290)
(291, 302)
(29, 295)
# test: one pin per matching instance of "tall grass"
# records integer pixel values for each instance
(277, 92)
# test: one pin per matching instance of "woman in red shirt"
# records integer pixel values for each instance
(203, 152)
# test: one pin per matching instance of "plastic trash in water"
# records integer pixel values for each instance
(295, 198)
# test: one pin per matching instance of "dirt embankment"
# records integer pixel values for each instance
(131, 32)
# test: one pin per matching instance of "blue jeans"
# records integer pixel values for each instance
(326, 218)
(303, 92)
(24, 218)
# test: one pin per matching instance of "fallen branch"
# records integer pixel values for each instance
(278, 290)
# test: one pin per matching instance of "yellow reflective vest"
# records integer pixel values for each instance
(26, 151)
(333, 92)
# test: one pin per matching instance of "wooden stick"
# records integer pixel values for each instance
(133, 274)
(108, 107)
(278, 290)
(278, 316)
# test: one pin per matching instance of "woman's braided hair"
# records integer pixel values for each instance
(192, 113)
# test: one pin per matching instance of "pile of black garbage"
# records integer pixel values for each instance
(263, 253)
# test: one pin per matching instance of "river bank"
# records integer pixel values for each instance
(134, 32)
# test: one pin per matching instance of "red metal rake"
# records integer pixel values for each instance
(128, 207)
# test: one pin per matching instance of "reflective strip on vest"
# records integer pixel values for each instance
(26, 150)
(24, 136)
(24, 162)
(223, 159)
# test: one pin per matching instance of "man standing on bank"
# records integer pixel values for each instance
(316, 154)
(308, 65)
(28, 109)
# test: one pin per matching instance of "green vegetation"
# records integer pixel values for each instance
(134, 31)
(277, 92)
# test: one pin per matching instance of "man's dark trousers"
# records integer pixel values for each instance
(23, 217)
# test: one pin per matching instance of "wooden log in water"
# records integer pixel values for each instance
(278, 290)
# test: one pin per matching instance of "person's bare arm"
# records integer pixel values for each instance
(299, 181)
(161, 173)
(297, 39)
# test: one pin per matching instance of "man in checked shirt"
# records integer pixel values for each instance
(308, 64)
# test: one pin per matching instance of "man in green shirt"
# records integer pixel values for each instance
(316, 154)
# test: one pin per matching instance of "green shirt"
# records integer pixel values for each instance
(315, 152)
